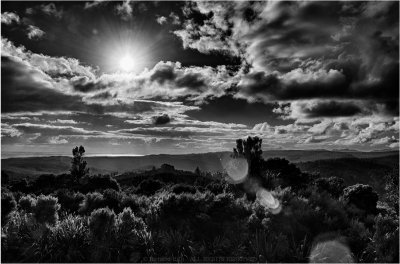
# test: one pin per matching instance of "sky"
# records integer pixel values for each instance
(189, 77)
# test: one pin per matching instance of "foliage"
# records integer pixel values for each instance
(149, 187)
(183, 188)
(8, 204)
(46, 209)
(27, 203)
(250, 149)
(91, 202)
(78, 164)
(332, 185)
(362, 196)
(98, 183)
(70, 201)
(386, 239)
(174, 216)
(68, 241)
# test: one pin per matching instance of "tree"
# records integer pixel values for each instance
(78, 164)
(250, 149)
(197, 171)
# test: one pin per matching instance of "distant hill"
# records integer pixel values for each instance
(33, 166)
(354, 170)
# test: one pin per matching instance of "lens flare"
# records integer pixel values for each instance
(236, 168)
(331, 252)
(267, 200)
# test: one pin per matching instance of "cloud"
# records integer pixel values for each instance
(161, 20)
(57, 140)
(35, 32)
(343, 51)
(125, 10)
(64, 121)
(175, 19)
(54, 66)
(95, 3)
(161, 120)
(9, 17)
(7, 130)
(166, 80)
(47, 9)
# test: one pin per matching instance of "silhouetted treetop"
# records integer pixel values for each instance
(78, 164)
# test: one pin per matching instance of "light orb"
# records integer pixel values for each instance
(236, 168)
(267, 200)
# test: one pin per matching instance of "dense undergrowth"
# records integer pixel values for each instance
(198, 218)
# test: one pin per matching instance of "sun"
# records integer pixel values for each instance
(126, 63)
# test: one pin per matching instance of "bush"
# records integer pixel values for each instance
(18, 237)
(44, 183)
(92, 201)
(98, 183)
(27, 203)
(46, 209)
(183, 188)
(362, 196)
(68, 241)
(112, 200)
(149, 187)
(333, 185)
(138, 204)
(133, 239)
(102, 234)
(8, 204)
(20, 186)
(102, 223)
(386, 239)
(70, 201)
(215, 187)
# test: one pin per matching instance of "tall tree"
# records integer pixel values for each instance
(78, 164)
(250, 149)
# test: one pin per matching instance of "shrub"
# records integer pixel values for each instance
(18, 235)
(362, 196)
(20, 186)
(102, 223)
(98, 183)
(8, 204)
(183, 188)
(286, 173)
(68, 241)
(69, 201)
(44, 183)
(386, 239)
(92, 201)
(332, 185)
(27, 203)
(46, 209)
(102, 235)
(149, 187)
(112, 200)
(133, 239)
(215, 187)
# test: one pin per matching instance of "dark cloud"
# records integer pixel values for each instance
(235, 110)
(332, 109)
(161, 120)
(191, 80)
(85, 85)
(26, 89)
(162, 73)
